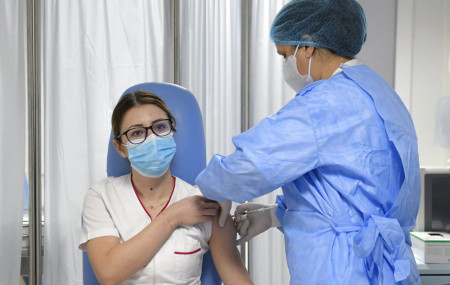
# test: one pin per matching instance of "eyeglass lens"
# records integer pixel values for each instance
(138, 134)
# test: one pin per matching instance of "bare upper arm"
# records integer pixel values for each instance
(226, 255)
(226, 235)
(99, 248)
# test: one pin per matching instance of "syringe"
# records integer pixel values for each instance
(245, 213)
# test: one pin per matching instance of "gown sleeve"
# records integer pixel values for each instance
(279, 149)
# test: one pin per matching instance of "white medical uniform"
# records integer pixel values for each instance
(112, 208)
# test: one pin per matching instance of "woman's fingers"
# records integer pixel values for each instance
(210, 205)
(209, 212)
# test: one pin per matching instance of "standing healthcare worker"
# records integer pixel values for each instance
(344, 151)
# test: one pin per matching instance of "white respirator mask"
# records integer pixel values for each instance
(291, 75)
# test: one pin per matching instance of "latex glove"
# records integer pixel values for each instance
(225, 208)
(252, 219)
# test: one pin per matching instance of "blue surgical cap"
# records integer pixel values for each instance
(339, 25)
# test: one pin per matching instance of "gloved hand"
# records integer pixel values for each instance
(252, 219)
(225, 208)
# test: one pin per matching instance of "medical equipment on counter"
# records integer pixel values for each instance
(431, 247)
(434, 209)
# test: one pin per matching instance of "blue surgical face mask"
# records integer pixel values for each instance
(291, 75)
(152, 157)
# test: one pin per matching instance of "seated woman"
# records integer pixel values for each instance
(149, 227)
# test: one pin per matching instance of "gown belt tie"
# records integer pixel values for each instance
(381, 237)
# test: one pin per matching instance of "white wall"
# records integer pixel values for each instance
(422, 69)
(379, 50)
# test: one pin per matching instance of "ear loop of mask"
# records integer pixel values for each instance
(296, 49)
(309, 62)
(309, 67)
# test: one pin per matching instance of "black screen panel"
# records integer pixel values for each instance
(437, 202)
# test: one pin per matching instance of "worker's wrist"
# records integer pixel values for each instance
(273, 216)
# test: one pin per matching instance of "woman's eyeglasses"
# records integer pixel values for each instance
(137, 135)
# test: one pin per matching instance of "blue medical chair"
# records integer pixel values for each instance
(189, 159)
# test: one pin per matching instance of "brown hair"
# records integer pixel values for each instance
(133, 99)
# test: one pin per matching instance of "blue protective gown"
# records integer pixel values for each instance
(344, 151)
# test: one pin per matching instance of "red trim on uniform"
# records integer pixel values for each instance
(190, 252)
(168, 201)
(143, 206)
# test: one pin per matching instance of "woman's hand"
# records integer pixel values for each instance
(191, 210)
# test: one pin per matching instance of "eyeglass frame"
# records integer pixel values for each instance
(119, 137)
